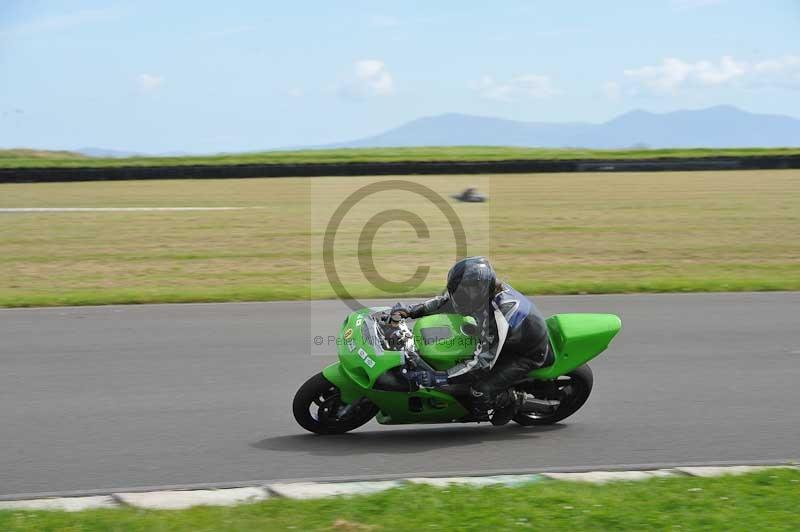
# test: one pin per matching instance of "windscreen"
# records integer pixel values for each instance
(371, 334)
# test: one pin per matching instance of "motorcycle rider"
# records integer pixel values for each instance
(512, 336)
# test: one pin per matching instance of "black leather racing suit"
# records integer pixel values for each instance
(512, 341)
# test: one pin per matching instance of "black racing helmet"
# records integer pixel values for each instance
(470, 283)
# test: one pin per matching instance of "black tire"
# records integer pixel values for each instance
(319, 395)
(573, 394)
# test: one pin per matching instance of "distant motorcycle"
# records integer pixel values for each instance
(376, 353)
(470, 195)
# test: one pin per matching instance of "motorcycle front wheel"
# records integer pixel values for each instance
(318, 408)
(567, 393)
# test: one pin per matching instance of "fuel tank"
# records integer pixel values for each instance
(443, 340)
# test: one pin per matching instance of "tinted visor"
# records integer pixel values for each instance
(468, 298)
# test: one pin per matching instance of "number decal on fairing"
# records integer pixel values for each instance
(365, 357)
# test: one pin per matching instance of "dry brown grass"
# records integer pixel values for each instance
(545, 232)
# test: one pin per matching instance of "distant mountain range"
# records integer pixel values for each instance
(723, 126)
(715, 127)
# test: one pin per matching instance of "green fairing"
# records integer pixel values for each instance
(362, 357)
(443, 340)
(437, 407)
(362, 360)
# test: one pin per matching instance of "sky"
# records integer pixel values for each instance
(207, 77)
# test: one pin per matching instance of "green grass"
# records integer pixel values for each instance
(546, 234)
(43, 159)
(12, 157)
(291, 293)
(766, 500)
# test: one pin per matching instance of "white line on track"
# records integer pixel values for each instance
(118, 209)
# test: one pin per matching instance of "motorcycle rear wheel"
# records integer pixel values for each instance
(573, 390)
(318, 405)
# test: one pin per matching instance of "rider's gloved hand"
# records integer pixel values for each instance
(428, 378)
(401, 310)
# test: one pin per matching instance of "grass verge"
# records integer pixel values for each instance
(45, 159)
(759, 501)
(255, 293)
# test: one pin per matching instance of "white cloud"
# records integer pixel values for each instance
(375, 76)
(783, 72)
(370, 78)
(149, 82)
(62, 21)
(521, 87)
(295, 92)
(673, 75)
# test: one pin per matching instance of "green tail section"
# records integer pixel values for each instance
(576, 339)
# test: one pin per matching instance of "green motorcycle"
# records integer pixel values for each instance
(375, 353)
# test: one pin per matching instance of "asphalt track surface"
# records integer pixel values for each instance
(100, 398)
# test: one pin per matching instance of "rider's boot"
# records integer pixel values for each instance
(480, 404)
(506, 406)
